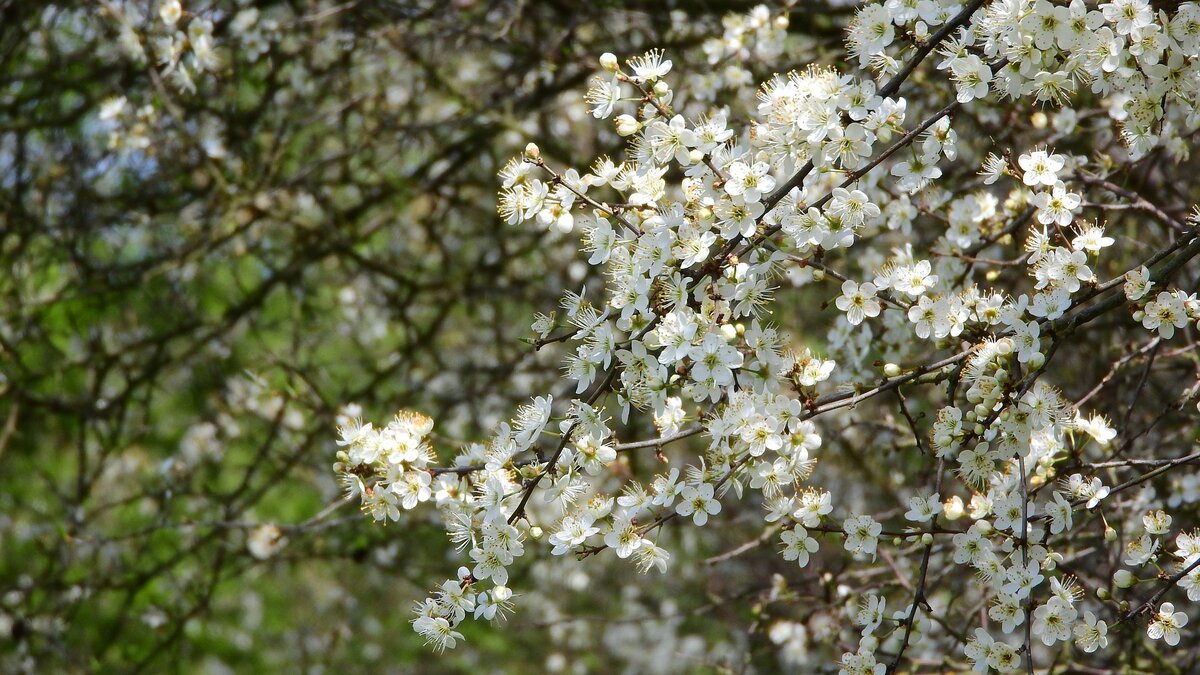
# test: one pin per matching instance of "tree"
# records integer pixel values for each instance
(956, 353)
(878, 349)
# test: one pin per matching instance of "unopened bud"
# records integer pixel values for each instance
(891, 370)
(1110, 534)
(627, 125)
(535, 532)
(661, 89)
(532, 151)
(1124, 579)
(927, 539)
(608, 61)
(953, 508)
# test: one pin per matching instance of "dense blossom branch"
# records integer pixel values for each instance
(690, 279)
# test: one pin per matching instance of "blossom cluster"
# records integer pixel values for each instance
(684, 229)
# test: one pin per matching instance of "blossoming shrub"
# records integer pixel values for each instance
(220, 220)
(919, 319)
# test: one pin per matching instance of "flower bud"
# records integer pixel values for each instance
(695, 156)
(1124, 579)
(927, 539)
(728, 331)
(532, 151)
(661, 89)
(535, 532)
(565, 222)
(818, 275)
(627, 125)
(1110, 534)
(891, 370)
(953, 508)
(608, 61)
(1037, 360)
(1103, 593)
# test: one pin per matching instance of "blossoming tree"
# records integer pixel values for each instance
(820, 335)
(981, 460)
